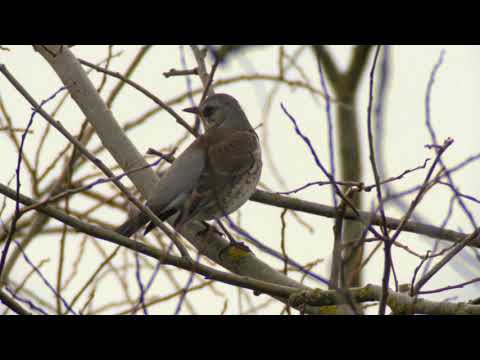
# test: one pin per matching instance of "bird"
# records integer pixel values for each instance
(214, 176)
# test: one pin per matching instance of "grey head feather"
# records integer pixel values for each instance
(223, 111)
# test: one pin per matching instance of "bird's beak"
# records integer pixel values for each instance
(193, 110)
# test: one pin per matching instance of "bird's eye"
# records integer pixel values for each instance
(208, 111)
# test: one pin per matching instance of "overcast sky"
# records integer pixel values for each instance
(455, 110)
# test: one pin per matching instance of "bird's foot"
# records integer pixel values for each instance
(231, 247)
(209, 229)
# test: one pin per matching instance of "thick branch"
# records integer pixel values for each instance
(280, 291)
(330, 212)
(83, 93)
(12, 304)
(398, 302)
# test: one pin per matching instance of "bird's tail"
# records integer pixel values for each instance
(132, 225)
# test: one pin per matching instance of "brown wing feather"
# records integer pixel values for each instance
(230, 153)
(233, 155)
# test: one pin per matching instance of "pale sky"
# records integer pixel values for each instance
(455, 111)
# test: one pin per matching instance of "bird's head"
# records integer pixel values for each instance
(221, 110)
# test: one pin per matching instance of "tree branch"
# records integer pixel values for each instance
(83, 93)
(12, 304)
(330, 212)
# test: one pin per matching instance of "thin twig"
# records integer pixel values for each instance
(445, 260)
(95, 161)
(173, 72)
(144, 91)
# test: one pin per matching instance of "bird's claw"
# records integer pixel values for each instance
(209, 229)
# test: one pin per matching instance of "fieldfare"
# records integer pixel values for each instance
(214, 176)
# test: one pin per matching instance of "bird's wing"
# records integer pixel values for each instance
(171, 188)
(230, 154)
(234, 154)
(180, 178)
